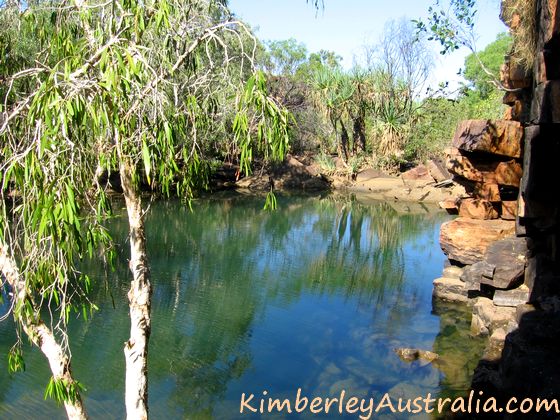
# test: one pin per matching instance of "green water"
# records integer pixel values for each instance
(314, 296)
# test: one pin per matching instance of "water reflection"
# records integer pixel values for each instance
(315, 295)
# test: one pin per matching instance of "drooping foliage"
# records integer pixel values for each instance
(89, 87)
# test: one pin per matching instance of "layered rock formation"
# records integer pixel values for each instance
(489, 260)
(486, 160)
(509, 169)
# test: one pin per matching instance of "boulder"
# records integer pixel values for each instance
(453, 272)
(437, 170)
(496, 137)
(462, 166)
(451, 290)
(511, 298)
(508, 173)
(515, 76)
(488, 317)
(548, 24)
(466, 240)
(370, 173)
(522, 310)
(509, 257)
(450, 205)
(292, 161)
(291, 175)
(545, 107)
(410, 355)
(493, 351)
(509, 210)
(473, 274)
(502, 173)
(542, 148)
(484, 191)
(477, 209)
(487, 191)
(420, 172)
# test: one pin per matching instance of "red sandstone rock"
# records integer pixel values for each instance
(484, 191)
(508, 114)
(450, 205)
(462, 166)
(502, 173)
(519, 76)
(549, 23)
(509, 210)
(510, 97)
(477, 209)
(418, 173)
(490, 192)
(438, 170)
(466, 240)
(509, 257)
(497, 137)
(508, 173)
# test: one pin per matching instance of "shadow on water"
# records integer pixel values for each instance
(314, 295)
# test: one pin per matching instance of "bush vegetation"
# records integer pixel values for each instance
(380, 112)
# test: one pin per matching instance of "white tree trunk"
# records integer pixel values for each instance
(41, 335)
(139, 298)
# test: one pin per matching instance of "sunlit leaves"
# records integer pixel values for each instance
(260, 124)
(270, 202)
(61, 390)
(127, 81)
(15, 360)
(448, 25)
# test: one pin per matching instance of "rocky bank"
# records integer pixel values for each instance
(503, 249)
(430, 183)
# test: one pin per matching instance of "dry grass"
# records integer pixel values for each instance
(521, 17)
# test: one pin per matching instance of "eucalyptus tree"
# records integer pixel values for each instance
(285, 56)
(122, 86)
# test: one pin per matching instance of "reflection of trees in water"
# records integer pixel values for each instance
(364, 255)
(366, 241)
(214, 271)
(222, 263)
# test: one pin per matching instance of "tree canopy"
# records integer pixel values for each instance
(136, 88)
(482, 77)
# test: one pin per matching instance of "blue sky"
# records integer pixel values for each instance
(346, 25)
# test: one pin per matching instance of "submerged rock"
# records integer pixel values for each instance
(410, 355)
(488, 317)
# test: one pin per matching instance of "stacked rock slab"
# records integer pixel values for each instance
(486, 158)
(518, 277)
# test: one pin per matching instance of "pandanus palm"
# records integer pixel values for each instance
(333, 95)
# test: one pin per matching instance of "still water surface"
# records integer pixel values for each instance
(316, 295)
